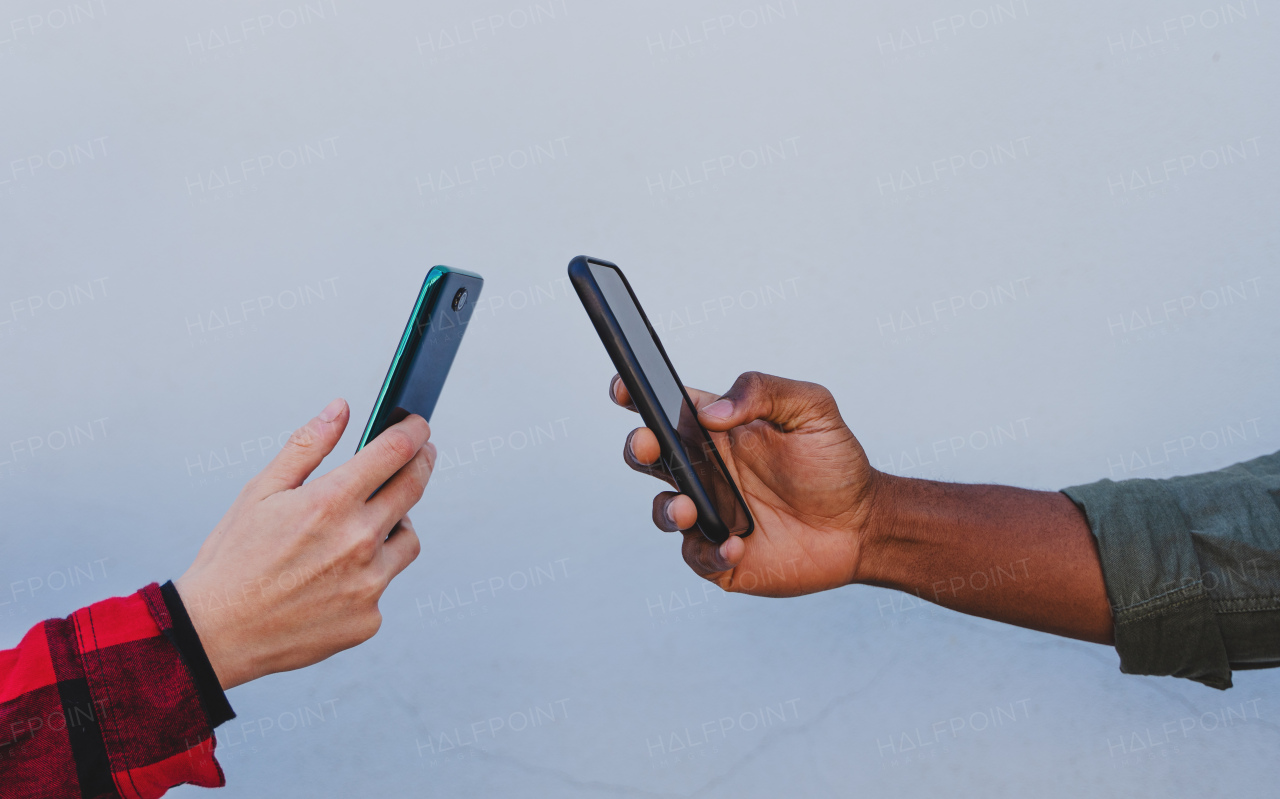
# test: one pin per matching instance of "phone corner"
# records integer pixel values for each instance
(440, 270)
(578, 267)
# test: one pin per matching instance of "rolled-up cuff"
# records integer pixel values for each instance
(1164, 623)
(184, 636)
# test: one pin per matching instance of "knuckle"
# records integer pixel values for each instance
(415, 545)
(399, 444)
(302, 438)
(364, 546)
(422, 468)
(413, 494)
(826, 401)
(362, 590)
(335, 497)
(701, 557)
(689, 550)
(341, 485)
(752, 381)
(411, 485)
(373, 624)
(817, 399)
(367, 627)
(327, 509)
(371, 588)
(356, 549)
(689, 556)
(815, 392)
(420, 427)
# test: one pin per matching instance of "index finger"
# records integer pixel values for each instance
(618, 392)
(384, 456)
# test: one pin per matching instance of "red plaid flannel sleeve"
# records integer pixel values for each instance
(102, 704)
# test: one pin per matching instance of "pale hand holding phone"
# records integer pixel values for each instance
(293, 573)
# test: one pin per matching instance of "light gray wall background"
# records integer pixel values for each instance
(1021, 242)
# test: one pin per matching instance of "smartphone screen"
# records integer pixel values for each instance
(706, 463)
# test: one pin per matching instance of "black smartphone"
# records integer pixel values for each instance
(688, 453)
(427, 348)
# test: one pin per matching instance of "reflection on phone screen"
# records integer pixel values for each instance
(702, 454)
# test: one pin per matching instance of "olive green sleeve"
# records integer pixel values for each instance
(1192, 567)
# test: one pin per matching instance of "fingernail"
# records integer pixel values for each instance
(721, 552)
(666, 516)
(720, 409)
(332, 410)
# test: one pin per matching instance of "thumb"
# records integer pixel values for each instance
(304, 450)
(787, 404)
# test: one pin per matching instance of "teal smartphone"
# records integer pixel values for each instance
(427, 349)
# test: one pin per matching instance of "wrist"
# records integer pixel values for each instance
(215, 626)
(879, 528)
(182, 634)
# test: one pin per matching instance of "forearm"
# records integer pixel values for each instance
(1009, 554)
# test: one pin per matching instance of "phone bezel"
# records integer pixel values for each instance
(710, 523)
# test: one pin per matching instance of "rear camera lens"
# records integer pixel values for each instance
(459, 299)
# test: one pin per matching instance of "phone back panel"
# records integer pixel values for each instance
(427, 349)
